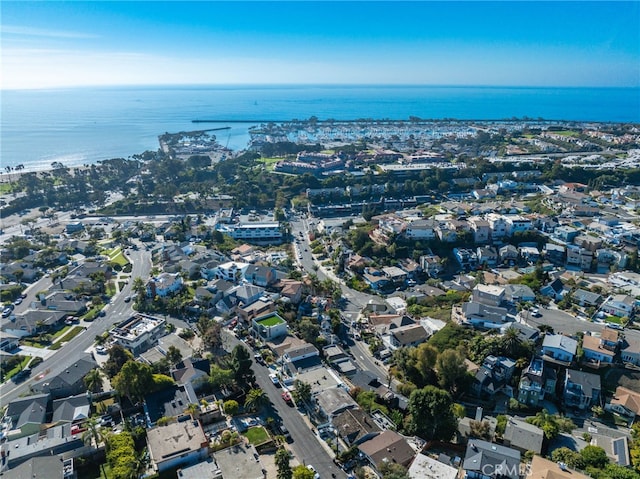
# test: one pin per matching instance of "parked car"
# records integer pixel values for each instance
(274, 379)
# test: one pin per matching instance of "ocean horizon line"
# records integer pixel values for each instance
(275, 86)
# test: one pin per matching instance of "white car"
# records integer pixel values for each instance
(315, 474)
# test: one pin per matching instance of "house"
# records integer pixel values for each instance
(70, 381)
(488, 294)
(523, 436)
(625, 402)
(291, 289)
(487, 256)
(425, 467)
(536, 381)
(485, 460)
(492, 376)
(620, 305)
(51, 467)
(334, 401)
(555, 253)
(595, 350)
(581, 389)
(483, 316)
(231, 271)
(33, 321)
(8, 342)
(355, 426)
(169, 402)
(193, 371)
(555, 289)
(28, 413)
(466, 258)
(71, 409)
(139, 332)
(630, 350)
(431, 265)
(542, 468)
(519, 293)
(269, 326)
(177, 444)
(421, 229)
(232, 461)
(559, 347)
(586, 298)
(579, 258)
(255, 309)
(508, 255)
(164, 285)
(408, 336)
(388, 447)
(260, 275)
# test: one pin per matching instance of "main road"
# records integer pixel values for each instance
(116, 311)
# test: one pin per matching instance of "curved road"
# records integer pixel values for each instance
(116, 311)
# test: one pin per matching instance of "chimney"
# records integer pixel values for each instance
(479, 412)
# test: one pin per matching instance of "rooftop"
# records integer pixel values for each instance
(175, 439)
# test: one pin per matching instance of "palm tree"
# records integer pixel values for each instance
(93, 434)
(139, 287)
(511, 341)
(93, 380)
(256, 399)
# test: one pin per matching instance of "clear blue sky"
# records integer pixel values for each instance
(50, 44)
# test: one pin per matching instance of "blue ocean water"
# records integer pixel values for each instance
(84, 125)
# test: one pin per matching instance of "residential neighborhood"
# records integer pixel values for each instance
(486, 330)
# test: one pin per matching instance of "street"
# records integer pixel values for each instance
(305, 443)
(117, 310)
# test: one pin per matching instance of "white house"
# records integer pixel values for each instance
(164, 285)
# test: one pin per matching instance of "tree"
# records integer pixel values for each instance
(174, 355)
(594, 456)
(118, 356)
(139, 287)
(512, 342)
(309, 331)
(301, 392)
(452, 370)
(282, 460)
(480, 429)
(551, 424)
(431, 414)
(241, 365)
(570, 458)
(301, 472)
(93, 380)
(93, 434)
(390, 470)
(221, 378)
(256, 399)
(231, 407)
(134, 380)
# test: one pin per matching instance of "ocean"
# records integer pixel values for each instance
(84, 125)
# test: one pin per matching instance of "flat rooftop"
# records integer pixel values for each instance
(175, 439)
(135, 326)
(271, 320)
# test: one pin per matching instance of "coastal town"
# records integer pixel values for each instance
(354, 299)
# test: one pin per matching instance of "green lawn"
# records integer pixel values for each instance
(271, 321)
(67, 337)
(19, 367)
(613, 319)
(566, 133)
(257, 435)
(60, 332)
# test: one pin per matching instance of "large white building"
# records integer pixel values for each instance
(139, 332)
(268, 232)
